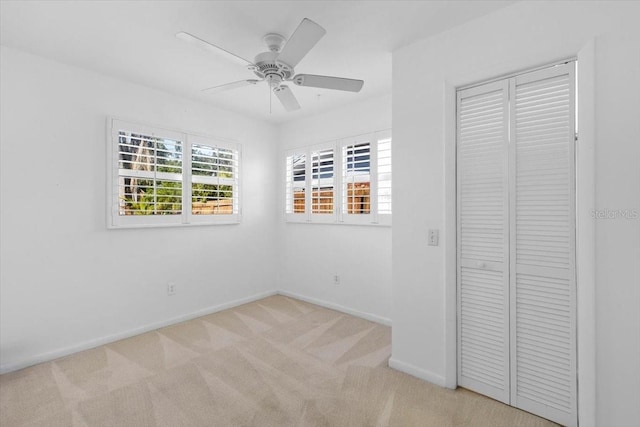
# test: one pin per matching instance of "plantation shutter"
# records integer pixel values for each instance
(163, 177)
(214, 179)
(150, 175)
(322, 181)
(358, 186)
(295, 171)
(483, 242)
(543, 244)
(145, 175)
(384, 174)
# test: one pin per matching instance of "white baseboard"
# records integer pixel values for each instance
(368, 316)
(414, 371)
(86, 345)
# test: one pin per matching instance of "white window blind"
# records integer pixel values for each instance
(149, 175)
(356, 181)
(296, 169)
(366, 179)
(322, 181)
(153, 182)
(346, 181)
(214, 180)
(384, 175)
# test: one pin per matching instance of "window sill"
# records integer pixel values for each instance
(172, 225)
(340, 223)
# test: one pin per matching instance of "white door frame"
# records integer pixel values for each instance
(585, 232)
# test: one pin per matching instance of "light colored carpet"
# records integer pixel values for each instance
(274, 362)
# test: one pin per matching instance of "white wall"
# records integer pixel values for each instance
(312, 253)
(425, 74)
(617, 249)
(66, 281)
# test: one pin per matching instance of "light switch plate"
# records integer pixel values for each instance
(433, 237)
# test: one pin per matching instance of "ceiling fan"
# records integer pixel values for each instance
(277, 65)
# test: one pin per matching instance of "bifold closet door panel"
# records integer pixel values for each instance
(542, 258)
(483, 277)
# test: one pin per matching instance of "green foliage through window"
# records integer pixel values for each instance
(143, 161)
(165, 177)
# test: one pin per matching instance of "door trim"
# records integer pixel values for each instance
(585, 226)
(584, 232)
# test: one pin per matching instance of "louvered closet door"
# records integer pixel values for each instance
(543, 289)
(483, 275)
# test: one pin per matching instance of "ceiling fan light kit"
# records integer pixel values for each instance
(274, 41)
(277, 65)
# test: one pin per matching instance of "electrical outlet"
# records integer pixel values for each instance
(336, 279)
(433, 237)
(171, 288)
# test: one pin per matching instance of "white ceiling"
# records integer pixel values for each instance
(135, 41)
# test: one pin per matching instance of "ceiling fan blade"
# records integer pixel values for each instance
(327, 82)
(229, 86)
(196, 41)
(287, 98)
(300, 43)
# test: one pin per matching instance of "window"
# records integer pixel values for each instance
(149, 174)
(161, 177)
(296, 184)
(214, 171)
(356, 182)
(322, 182)
(345, 181)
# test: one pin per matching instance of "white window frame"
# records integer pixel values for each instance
(321, 217)
(186, 218)
(289, 212)
(339, 216)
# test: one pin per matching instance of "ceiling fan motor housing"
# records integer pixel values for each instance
(266, 67)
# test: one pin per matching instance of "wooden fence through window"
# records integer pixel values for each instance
(213, 207)
(358, 199)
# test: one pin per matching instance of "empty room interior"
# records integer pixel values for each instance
(320, 213)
